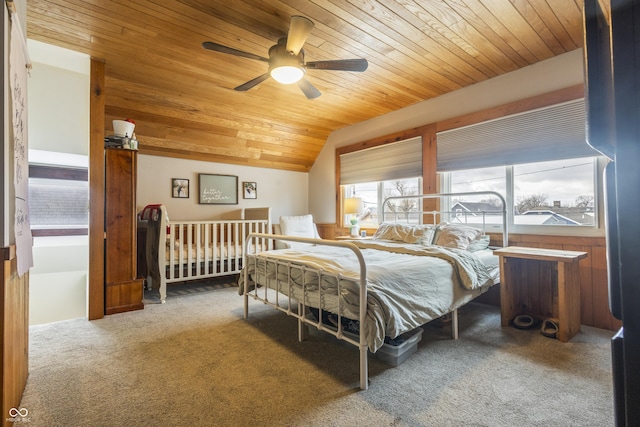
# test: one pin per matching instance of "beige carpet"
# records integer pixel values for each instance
(195, 361)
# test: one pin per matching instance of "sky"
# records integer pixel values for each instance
(562, 180)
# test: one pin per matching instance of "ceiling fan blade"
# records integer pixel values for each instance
(299, 30)
(339, 64)
(231, 51)
(251, 83)
(308, 89)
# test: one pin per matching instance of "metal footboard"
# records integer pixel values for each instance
(298, 309)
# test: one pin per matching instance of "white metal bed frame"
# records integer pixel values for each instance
(298, 310)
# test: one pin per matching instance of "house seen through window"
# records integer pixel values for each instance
(552, 193)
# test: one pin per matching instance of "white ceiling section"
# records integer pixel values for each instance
(59, 57)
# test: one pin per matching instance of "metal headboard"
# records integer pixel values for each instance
(441, 196)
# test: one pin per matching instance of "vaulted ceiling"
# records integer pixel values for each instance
(182, 96)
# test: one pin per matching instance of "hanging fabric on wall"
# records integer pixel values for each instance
(18, 67)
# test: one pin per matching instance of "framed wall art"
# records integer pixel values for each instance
(218, 189)
(249, 190)
(180, 188)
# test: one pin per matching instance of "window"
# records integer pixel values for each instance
(373, 195)
(58, 200)
(559, 194)
(378, 172)
(551, 133)
(468, 209)
(55, 203)
(537, 160)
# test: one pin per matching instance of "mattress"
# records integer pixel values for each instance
(407, 285)
(202, 254)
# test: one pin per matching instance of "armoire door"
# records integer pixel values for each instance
(123, 291)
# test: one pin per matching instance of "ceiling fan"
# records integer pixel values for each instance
(286, 59)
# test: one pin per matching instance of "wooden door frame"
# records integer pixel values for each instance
(96, 191)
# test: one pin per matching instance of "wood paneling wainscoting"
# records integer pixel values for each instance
(328, 231)
(594, 294)
(14, 351)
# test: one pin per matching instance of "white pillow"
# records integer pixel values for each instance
(391, 231)
(479, 244)
(297, 226)
(421, 234)
(456, 236)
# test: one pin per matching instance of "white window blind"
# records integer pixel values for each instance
(550, 133)
(398, 160)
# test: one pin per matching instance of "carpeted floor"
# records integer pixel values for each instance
(195, 361)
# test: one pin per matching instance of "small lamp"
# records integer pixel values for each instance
(354, 206)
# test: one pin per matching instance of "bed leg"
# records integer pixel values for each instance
(364, 369)
(302, 328)
(163, 291)
(246, 305)
(454, 324)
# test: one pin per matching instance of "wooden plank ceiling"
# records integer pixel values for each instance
(181, 95)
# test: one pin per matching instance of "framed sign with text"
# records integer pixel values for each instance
(218, 189)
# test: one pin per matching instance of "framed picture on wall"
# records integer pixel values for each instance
(249, 190)
(218, 189)
(180, 188)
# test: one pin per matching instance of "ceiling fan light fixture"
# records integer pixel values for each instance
(286, 60)
(287, 74)
(284, 67)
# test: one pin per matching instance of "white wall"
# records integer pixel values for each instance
(59, 114)
(58, 91)
(557, 73)
(58, 279)
(285, 192)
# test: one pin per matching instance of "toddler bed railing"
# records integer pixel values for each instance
(181, 251)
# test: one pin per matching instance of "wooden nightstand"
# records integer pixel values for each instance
(543, 283)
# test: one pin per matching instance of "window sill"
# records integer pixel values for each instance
(47, 232)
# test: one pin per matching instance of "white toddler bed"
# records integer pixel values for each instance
(406, 276)
(181, 251)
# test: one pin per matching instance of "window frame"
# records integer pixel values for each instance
(432, 181)
(380, 188)
(429, 177)
(596, 230)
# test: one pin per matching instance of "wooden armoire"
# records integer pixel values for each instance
(123, 290)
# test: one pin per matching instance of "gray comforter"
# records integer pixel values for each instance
(407, 285)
